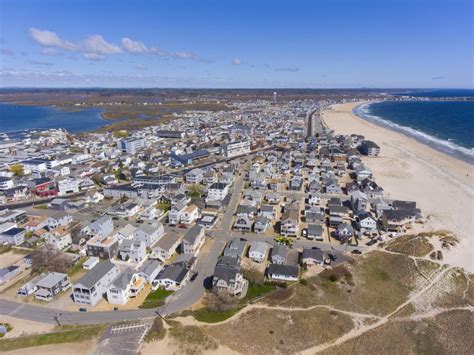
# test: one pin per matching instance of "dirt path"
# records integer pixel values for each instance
(365, 328)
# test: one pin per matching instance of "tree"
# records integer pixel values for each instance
(195, 191)
(17, 169)
(48, 258)
(220, 301)
(121, 134)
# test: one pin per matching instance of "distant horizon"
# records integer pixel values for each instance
(226, 88)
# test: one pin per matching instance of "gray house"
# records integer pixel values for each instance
(279, 254)
(235, 248)
(193, 240)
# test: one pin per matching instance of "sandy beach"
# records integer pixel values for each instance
(442, 186)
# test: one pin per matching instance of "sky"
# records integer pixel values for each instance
(237, 44)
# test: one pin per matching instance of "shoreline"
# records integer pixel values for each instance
(442, 185)
(439, 144)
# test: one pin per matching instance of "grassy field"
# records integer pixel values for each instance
(376, 283)
(68, 335)
(415, 245)
(155, 298)
(448, 333)
(191, 339)
(207, 316)
(264, 331)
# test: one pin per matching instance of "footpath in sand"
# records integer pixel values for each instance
(442, 186)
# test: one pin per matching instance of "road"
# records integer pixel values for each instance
(181, 299)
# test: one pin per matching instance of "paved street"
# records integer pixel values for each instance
(181, 299)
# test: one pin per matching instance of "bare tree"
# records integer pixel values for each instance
(48, 258)
(220, 301)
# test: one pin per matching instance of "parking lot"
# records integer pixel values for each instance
(123, 338)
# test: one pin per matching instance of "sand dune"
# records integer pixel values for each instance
(442, 186)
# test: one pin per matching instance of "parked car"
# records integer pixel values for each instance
(332, 256)
(304, 233)
(371, 242)
(356, 251)
(195, 275)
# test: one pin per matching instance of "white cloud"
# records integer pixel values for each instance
(236, 61)
(97, 45)
(132, 46)
(49, 51)
(141, 67)
(50, 39)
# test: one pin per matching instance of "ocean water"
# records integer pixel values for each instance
(447, 126)
(18, 118)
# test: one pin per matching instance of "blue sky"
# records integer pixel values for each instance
(307, 44)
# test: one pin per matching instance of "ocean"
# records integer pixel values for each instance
(15, 118)
(447, 126)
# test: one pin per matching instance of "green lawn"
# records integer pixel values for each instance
(207, 316)
(254, 291)
(155, 298)
(75, 335)
(76, 267)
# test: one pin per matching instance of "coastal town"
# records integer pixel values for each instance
(101, 221)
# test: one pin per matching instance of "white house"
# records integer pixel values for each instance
(217, 191)
(68, 186)
(258, 251)
(126, 285)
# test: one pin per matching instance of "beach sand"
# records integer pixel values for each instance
(442, 186)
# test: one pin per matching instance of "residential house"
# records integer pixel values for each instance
(312, 256)
(94, 284)
(103, 247)
(243, 223)
(150, 269)
(51, 284)
(13, 236)
(315, 232)
(165, 247)
(8, 273)
(150, 233)
(280, 272)
(279, 254)
(236, 248)
(128, 284)
(258, 251)
(228, 276)
(171, 277)
(261, 224)
(193, 240)
(190, 214)
(133, 250)
(289, 223)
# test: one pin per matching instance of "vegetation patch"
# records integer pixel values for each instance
(156, 332)
(447, 333)
(376, 283)
(70, 335)
(155, 298)
(191, 339)
(266, 331)
(414, 245)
